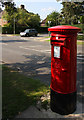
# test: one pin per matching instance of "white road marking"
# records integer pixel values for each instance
(24, 38)
(3, 44)
(43, 51)
(35, 46)
(80, 57)
(35, 38)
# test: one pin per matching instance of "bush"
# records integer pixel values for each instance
(80, 37)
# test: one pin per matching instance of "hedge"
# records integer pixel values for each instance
(0, 29)
(10, 30)
(42, 29)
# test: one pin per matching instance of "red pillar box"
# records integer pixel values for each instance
(63, 68)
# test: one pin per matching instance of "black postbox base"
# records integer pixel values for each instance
(63, 103)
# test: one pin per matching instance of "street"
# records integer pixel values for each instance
(32, 56)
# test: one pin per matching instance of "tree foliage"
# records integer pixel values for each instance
(9, 12)
(25, 18)
(52, 18)
(10, 8)
(70, 12)
(20, 17)
(82, 19)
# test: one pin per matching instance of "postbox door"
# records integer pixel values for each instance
(55, 67)
(60, 68)
(65, 69)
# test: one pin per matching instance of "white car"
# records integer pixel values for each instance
(29, 32)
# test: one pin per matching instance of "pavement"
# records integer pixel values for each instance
(32, 56)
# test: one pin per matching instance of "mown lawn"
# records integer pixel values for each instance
(19, 92)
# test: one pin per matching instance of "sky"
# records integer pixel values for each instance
(42, 7)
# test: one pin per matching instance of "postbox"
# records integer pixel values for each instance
(63, 69)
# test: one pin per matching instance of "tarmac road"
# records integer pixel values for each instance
(32, 56)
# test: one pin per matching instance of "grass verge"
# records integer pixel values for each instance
(13, 34)
(80, 42)
(16, 34)
(19, 92)
(47, 36)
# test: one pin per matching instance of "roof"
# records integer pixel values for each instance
(1, 13)
(43, 22)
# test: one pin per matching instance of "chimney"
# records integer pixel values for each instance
(22, 6)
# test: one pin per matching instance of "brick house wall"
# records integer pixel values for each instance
(2, 21)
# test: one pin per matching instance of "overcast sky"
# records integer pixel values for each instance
(43, 8)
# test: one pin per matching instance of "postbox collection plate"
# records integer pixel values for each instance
(57, 51)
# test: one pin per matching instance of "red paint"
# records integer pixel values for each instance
(63, 69)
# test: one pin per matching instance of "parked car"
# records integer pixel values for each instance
(29, 32)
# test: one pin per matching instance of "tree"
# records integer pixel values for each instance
(20, 17)
(2, 2)
(24, 18)
(10, 7)
(82, 19)
(9, 12)
(53, 18)
(71, 12)
(34, 20)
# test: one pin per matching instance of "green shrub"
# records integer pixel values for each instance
(80, 37)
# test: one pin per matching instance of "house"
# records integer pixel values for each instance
(43, 22)
(2, 21)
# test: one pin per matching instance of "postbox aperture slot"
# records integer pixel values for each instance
(57, 51)
(57, 41)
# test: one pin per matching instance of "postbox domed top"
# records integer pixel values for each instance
(64, 28)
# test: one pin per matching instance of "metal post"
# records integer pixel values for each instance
(14, 25)
(49, 26)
